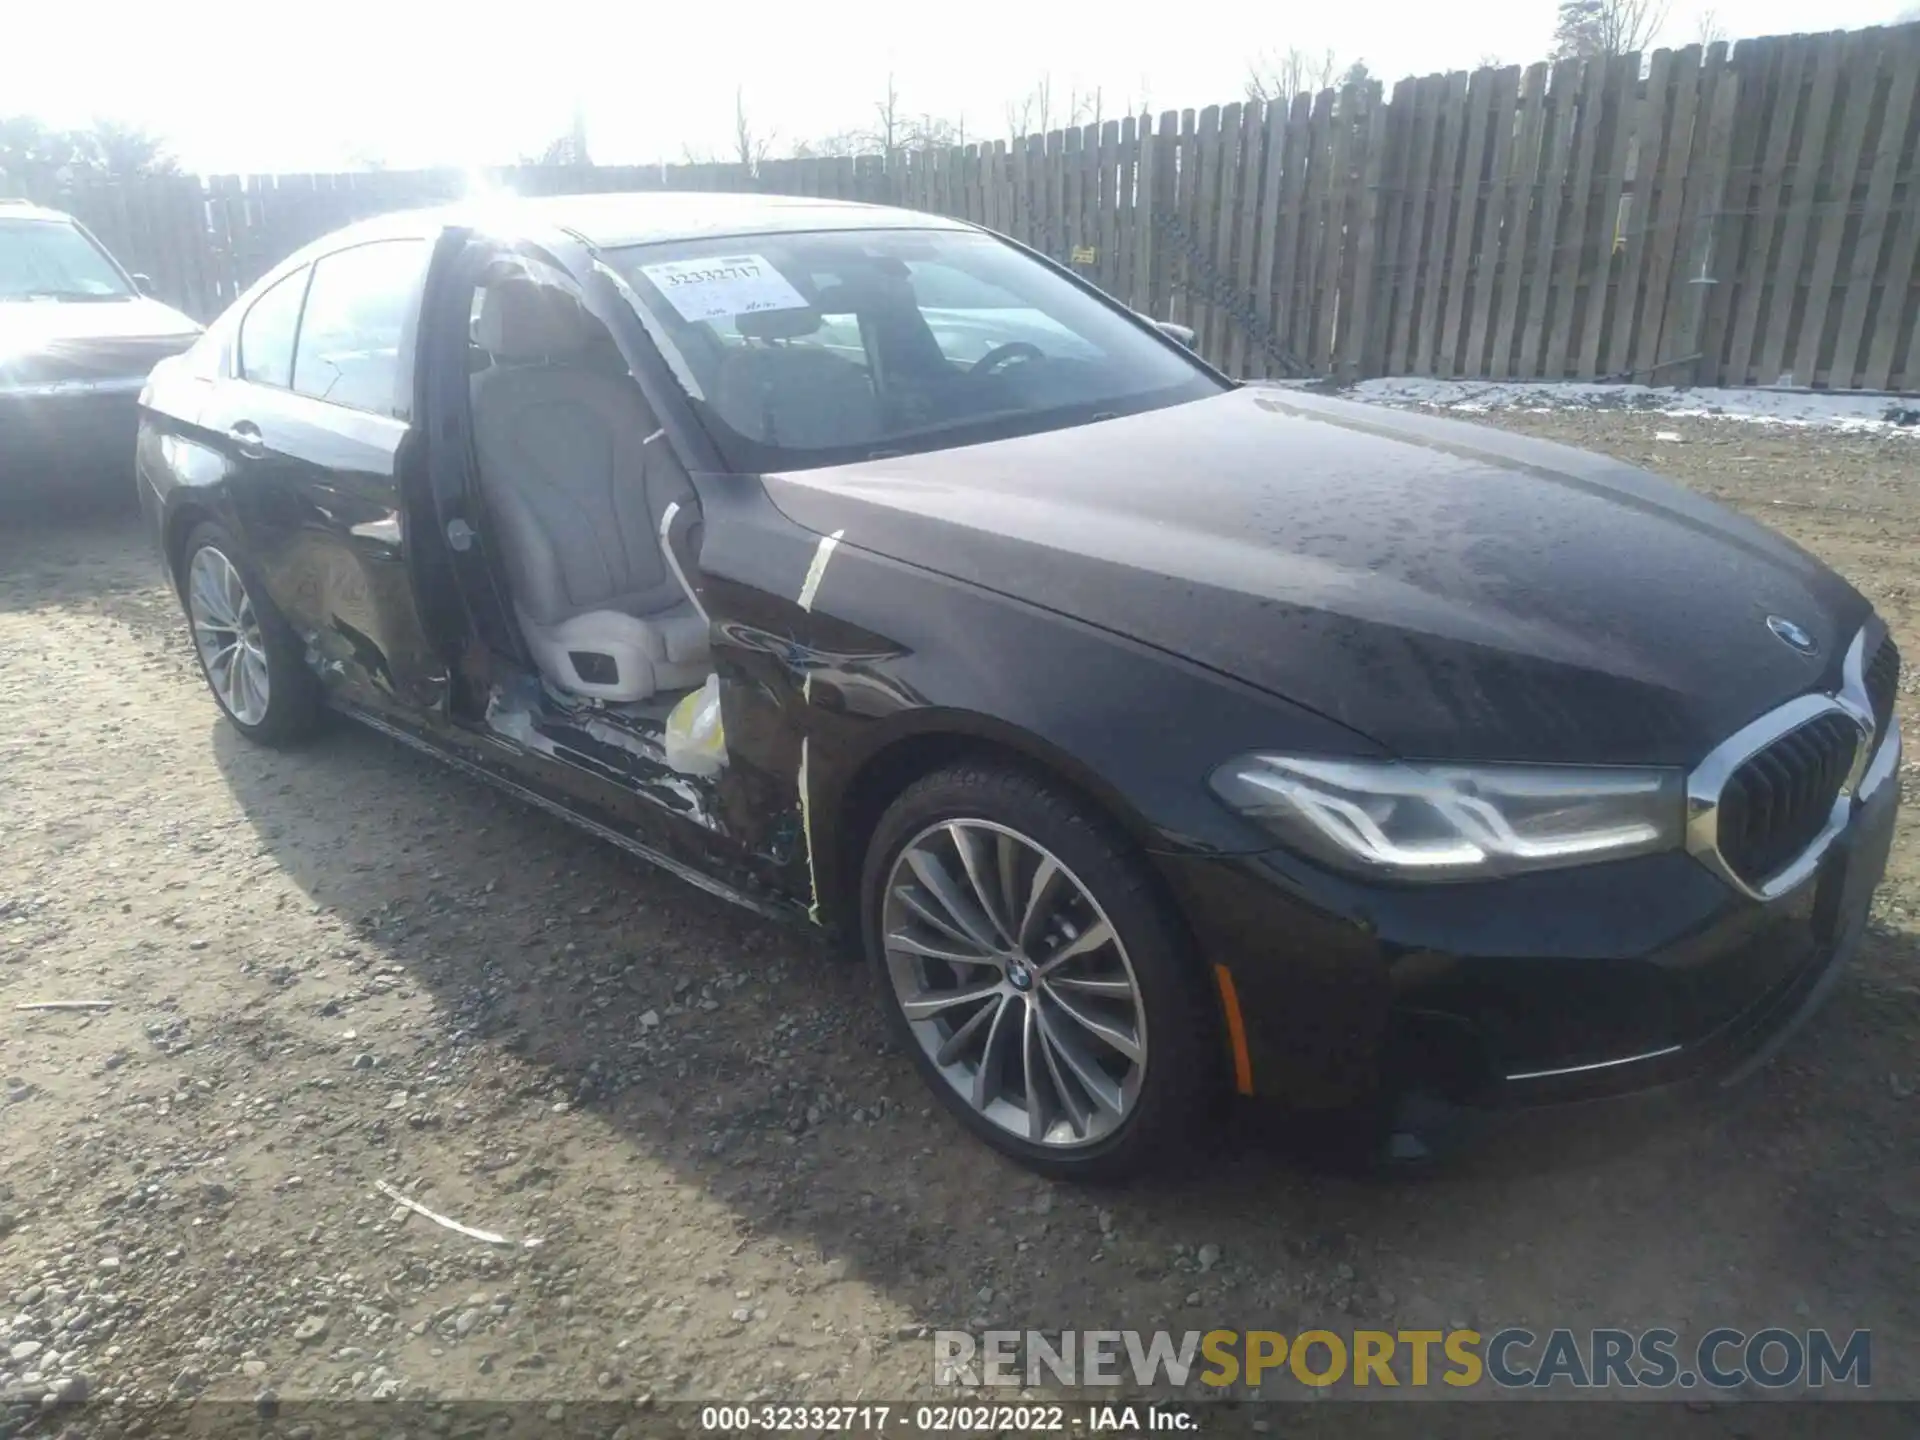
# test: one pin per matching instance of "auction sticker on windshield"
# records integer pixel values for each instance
(725, 285)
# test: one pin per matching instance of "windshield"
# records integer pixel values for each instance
(827, 347)
(52, 260)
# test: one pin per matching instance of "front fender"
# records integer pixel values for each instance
(888, 656)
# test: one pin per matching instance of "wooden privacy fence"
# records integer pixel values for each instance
(1709, 217)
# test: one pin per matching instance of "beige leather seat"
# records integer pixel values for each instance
(574, 504)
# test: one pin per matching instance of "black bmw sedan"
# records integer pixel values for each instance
(1155, 737)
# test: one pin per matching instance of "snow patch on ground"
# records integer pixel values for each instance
(1891, 414)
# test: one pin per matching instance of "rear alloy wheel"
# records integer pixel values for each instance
(1033, 975)
(226, 631)
(250, 656)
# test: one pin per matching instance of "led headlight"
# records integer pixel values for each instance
(1455, 822)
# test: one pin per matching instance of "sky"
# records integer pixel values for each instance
(264, 85)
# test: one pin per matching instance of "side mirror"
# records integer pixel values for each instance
(143, 284)
(1182, 333)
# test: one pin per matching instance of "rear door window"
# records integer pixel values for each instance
(357, 311)
(266, 334)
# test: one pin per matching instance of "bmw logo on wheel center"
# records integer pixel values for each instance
(1792, 634)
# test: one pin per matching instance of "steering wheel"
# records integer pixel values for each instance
(1000, 355)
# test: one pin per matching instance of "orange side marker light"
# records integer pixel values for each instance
(1236, 1030)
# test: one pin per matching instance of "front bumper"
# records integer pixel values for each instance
(54, 434)
(1562, 985)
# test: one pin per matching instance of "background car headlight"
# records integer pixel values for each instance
(1455, 822)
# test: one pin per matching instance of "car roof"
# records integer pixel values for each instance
(646, 217)
(27, 210)
(639, 217)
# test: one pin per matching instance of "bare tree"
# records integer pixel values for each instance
(567, 149)
(561, 150)
(749, 148)
(109, 149)
(894, 131)
(888, 127)
(1606, 27)
(930, 132)
(1084, 109)
(1138, 108)
(1030, 114)
(837, 145)
(1708, 30)
(122, 152)
(1294, 72)
(27, 145)
(1035, 113)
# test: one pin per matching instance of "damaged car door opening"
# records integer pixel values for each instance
(1154, 737)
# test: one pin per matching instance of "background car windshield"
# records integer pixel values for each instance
(47, 260)
(826, 347)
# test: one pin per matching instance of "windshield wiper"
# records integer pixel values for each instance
(985, 417)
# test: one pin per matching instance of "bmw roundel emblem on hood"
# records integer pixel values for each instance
(1792, 634)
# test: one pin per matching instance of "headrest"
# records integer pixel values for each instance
(777, 324)
(875, 287)
(521, 319)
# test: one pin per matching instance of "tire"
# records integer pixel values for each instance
(986, 811)
(287, 708)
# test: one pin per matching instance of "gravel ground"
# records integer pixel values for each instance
(345, 966)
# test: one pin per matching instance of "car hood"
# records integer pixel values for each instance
(60, 340)
(1447, 590)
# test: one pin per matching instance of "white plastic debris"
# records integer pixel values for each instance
(65, 1005)
(484, 1236)
(696, 742)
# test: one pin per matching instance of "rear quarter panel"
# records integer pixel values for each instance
(179, 473)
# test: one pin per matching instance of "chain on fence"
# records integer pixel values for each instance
(1215, 289)
(1225, 295)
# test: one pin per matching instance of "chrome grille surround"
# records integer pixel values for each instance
(1871, 766)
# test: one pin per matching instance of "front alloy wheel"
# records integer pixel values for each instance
(1035, 975)
(1014, 983)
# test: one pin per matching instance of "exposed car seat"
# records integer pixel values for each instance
(565, 475)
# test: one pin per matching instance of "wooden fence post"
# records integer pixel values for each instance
(1877, 223)
(1493, 227)
(1839, 172)
(1267, 228)
(1659, 188)
(1703, 298)
(1483, 93)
